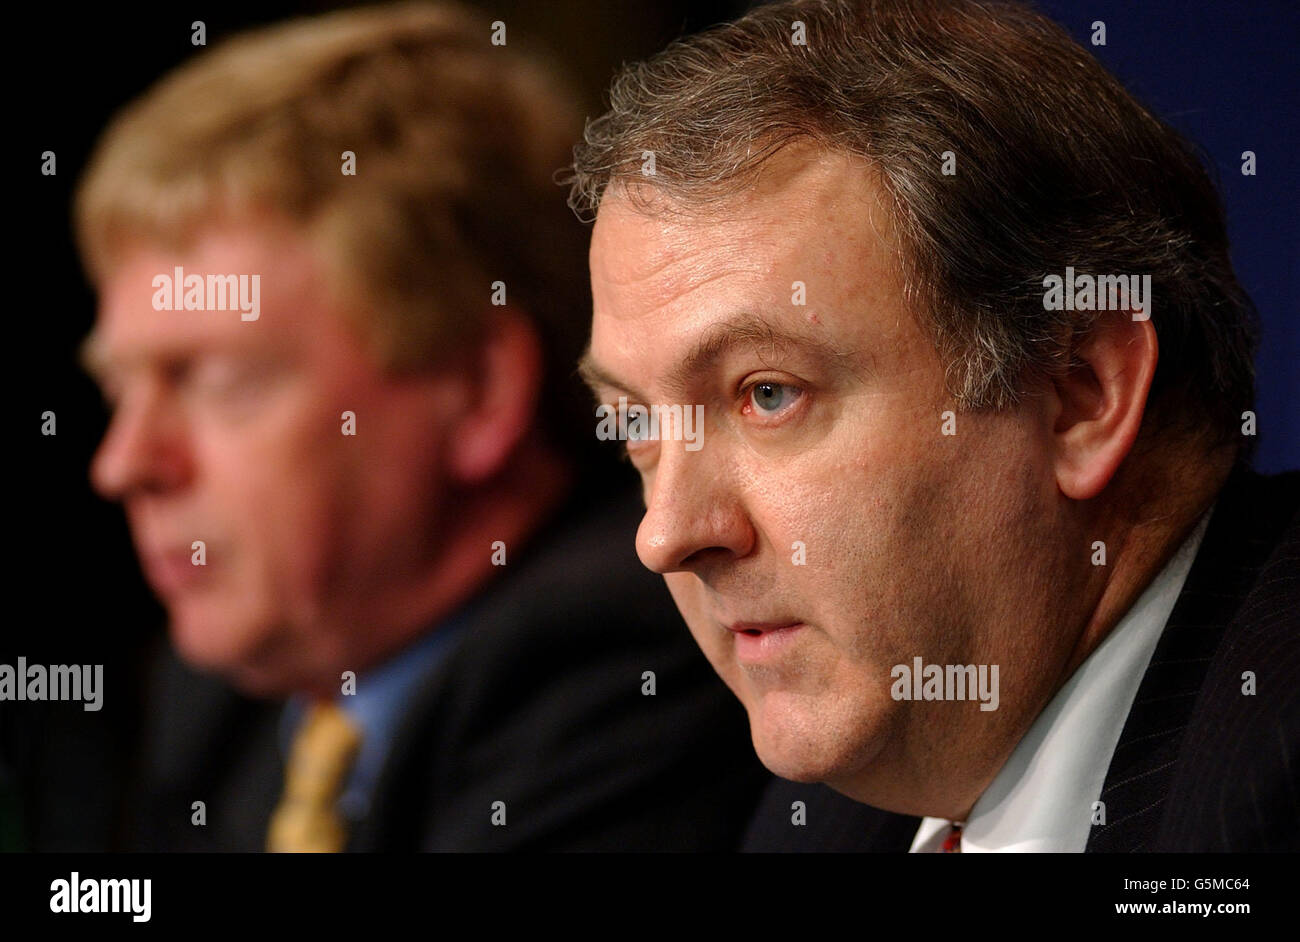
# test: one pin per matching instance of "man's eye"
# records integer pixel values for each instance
(215, 379)
(637, 429)
(224, 378)
(771, 398)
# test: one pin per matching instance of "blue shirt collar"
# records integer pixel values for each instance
(377, 707)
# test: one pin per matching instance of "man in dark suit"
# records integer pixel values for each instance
(340, 299)
(971, 533)
(1199, 766)
(539, 704)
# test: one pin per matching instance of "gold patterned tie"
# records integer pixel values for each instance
(307, 819)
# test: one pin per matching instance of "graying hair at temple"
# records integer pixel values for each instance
(1056, 165)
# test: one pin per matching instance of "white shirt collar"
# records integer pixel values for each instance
(1042, 799)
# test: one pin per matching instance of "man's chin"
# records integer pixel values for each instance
(206, 644)
(792, 742)
(795, 765)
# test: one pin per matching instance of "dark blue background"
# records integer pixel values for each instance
(1224, 74)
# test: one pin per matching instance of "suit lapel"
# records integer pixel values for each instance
(798, 818)
(204, 743)
(1142, 766)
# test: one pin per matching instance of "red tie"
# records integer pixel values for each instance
(952, 843)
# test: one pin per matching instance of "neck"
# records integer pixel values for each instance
(510, 509)
(1143, 524)
(1143, 535)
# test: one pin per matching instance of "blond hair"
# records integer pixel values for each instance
(456, 144)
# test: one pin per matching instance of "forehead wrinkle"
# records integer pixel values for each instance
(673, 259)
(692, 273)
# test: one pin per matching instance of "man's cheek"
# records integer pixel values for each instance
(709, 639)
(686, 591)
(293, 555)
(716, 644)
(685, 587)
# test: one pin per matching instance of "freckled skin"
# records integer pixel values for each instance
(949, 548)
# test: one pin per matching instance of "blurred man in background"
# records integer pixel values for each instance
(340, 298)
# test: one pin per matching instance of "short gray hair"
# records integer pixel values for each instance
(1059, 166)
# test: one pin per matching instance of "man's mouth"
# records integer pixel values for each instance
(170, 571)
(759, 642)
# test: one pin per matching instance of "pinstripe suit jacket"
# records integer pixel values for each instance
(1201, 765)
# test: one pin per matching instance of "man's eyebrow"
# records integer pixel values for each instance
(596, 376)
(743, 330)
(753, 331)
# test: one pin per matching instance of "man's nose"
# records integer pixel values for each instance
(694, 516)
(144, 448)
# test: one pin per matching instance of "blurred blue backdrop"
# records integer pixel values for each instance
(1224, 74)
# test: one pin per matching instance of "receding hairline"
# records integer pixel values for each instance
(761, 174)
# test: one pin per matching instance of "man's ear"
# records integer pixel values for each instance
(505, 372)
(1100, 401)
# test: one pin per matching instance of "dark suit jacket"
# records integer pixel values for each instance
(1200, 766)
(539, 704)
